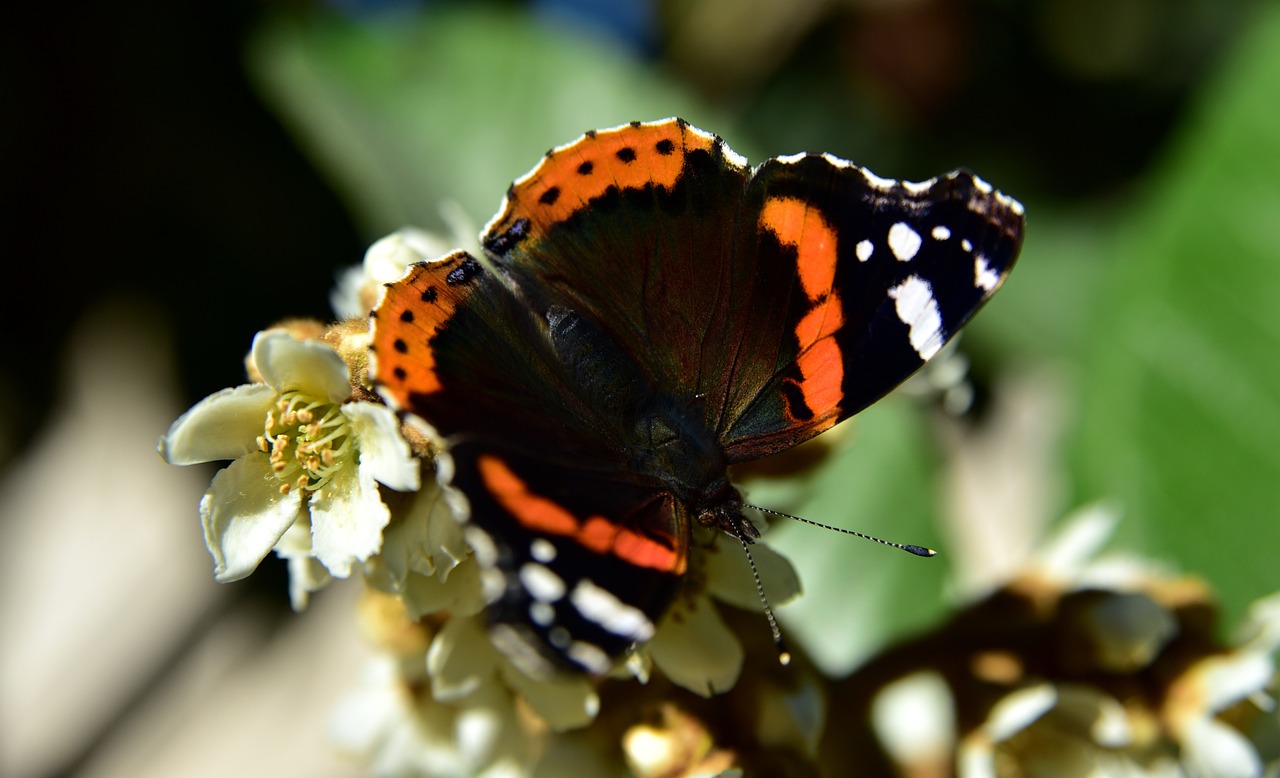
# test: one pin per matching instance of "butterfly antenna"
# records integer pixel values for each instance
(784, 656)
(909, 548)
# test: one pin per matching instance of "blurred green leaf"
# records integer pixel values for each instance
(877, 478)
(1045, 310)
(1181, 392)
(447, 105)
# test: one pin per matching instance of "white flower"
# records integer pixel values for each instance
(425, 559)
(385, 261)
(1124, 613)
(300, 453)
(443, 702)
(398, 730)
(1218, 682)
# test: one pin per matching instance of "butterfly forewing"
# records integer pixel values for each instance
(887, 273)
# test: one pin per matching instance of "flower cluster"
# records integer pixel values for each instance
(1072, 666)
(328, 477)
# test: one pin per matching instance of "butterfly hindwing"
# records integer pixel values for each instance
(586, 565)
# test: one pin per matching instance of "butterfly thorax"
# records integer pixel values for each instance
(674, 448)
(666, 440)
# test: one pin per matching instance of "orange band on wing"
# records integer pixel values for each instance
(822, 374)
(797, 225)
(821, 364)
(534, 512)
(822, 321)
(597, 533)
(646, 552)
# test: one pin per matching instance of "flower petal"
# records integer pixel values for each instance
(306, 574)
(244, 515)
(729, 577)
(224, 425)
(1019, 710)
(914, 717)
(695, 649)
(565, 702)
(1214, 750)
(461, 659)
(424, 538)
(383, 450)
(311, 366)
(460, 592)
(347, 519)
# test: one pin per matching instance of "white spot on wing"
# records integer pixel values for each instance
(542, 614)
(876, 182)
(734, 158)
(542, 550)
(836, 161)
(515, 644)
(941, 233)
(965, 244)
(864, 250)
(604, 608)
(919, 187)
(559, 637)
(904, 242)
(984, 277)
(981, 186)
(1010, 203)
(542, 584)
(918, 310)
(791, 159)
(589, 656)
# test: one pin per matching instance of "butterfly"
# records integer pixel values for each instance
(650, 309)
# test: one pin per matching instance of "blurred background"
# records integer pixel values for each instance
(180, 175)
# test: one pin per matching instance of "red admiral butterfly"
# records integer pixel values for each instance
(648, 311)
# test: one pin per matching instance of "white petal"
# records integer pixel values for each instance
(224, 425)
(729, 576)
(387, 259)
(460, 592)
(306, 574)
(1261, 630)
(347, 519)
(461, 659)
(565, 702)
(362, 719)
(310, 366)
(406, 545)
(1019, 710)
(1080, 538)
(346, 299)
(1214, 750)
(383, 450)
(976, 757)
(244, 516)
(1229, 678)
(696, 650)
(914, 718)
